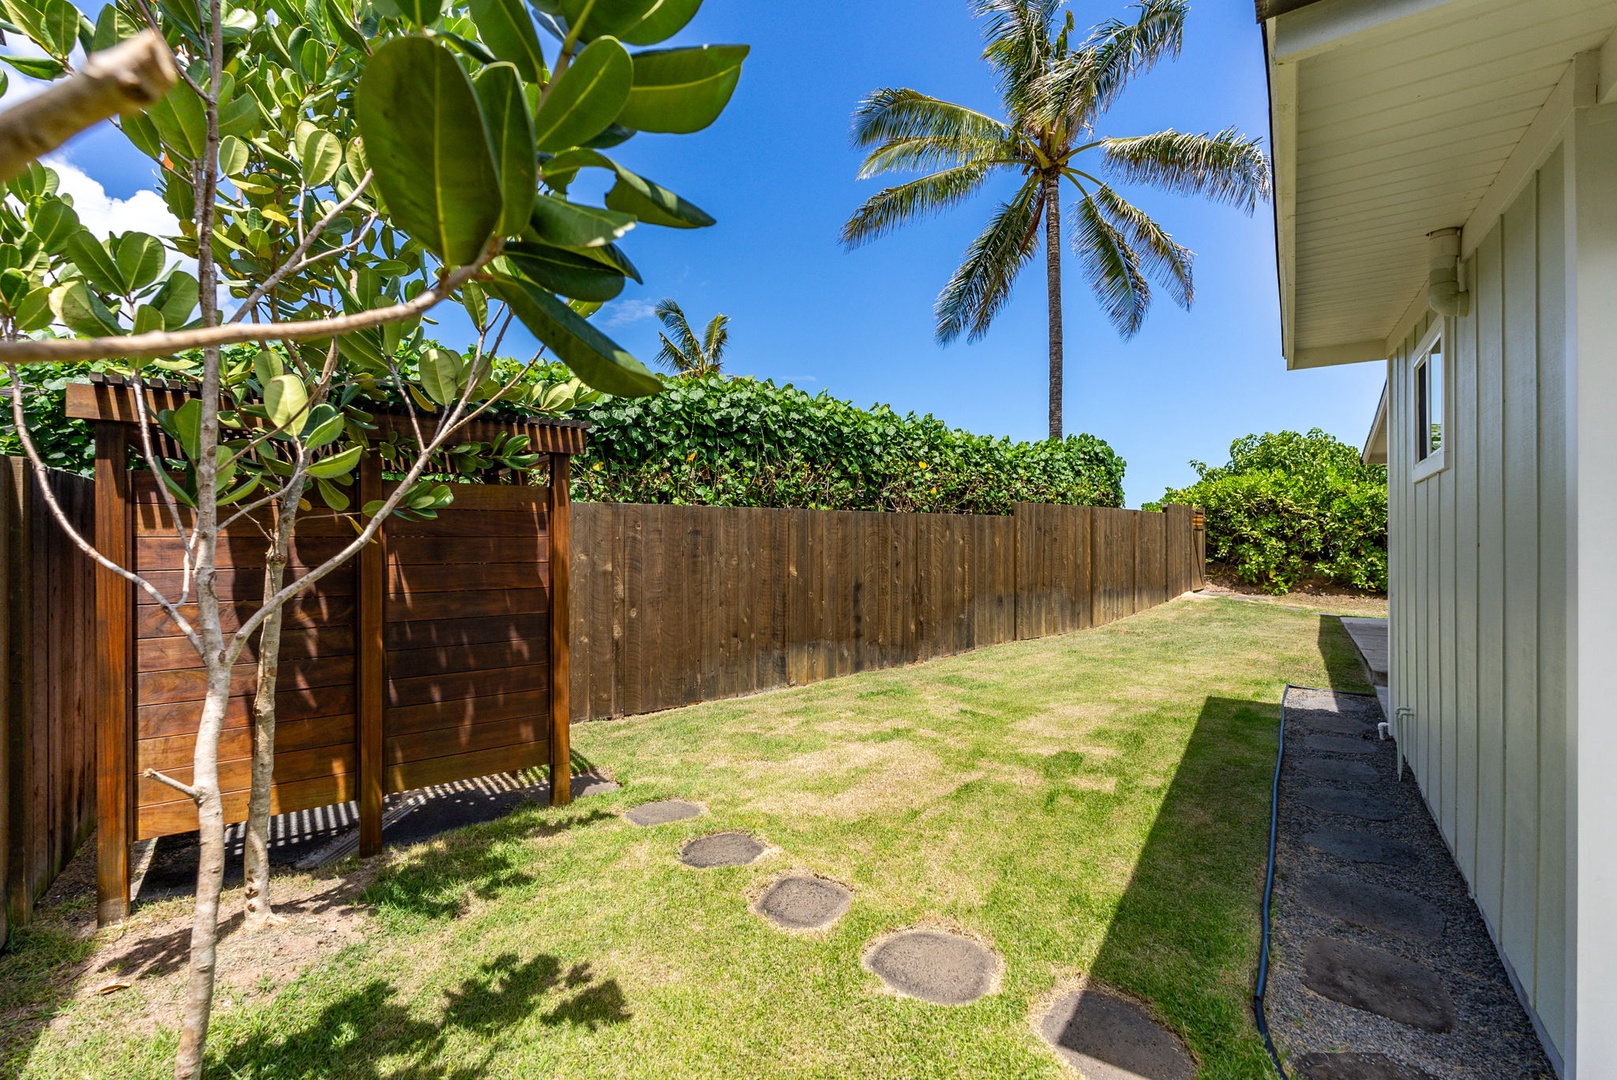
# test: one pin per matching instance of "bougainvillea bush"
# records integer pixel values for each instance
(1290, 508)
(747, 442)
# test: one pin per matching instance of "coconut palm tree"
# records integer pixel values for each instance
(1054, 94)
(686, 354)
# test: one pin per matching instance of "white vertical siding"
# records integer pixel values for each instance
(1479, 583)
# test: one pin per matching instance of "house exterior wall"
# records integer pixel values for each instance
(1479, 591)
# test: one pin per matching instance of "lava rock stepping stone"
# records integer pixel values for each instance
(1352, 803)
(1347, 772)
(1378, 982)
(1363, 847)
(661, 813)
(721, 849)
(1108, 1037)
(802, 902)
(1371, 906)
(1339, 744)
(1355, 1067)
(945, 969)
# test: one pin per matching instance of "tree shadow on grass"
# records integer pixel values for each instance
(1185, 935)
(369, 1033)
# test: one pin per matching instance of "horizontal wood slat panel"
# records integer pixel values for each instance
(164, 687)
(465, 684)
(175, 653)
(510, 524)
(406, 581)
(488, 656)
(154, 721)
(152, 519)
(166, 819)
(462, 550)
(239, 586)
(175, 751)
(449, 633)
(488, 498)
(316, 608)
(464, 739)
(238, 552)
(443, 770)
(467, 605)
(237, 775)
(433, 716)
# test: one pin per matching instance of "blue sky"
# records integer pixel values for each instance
(778, 172)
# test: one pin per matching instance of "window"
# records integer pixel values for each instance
(1429, 402)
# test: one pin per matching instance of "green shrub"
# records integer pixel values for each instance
(744, 442)
(747, 442)
(1291, 507)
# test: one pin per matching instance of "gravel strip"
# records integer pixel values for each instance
(1492, 1037)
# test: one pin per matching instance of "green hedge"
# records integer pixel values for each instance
(1290, 508)
(745, 442)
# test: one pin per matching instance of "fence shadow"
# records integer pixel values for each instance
(1343, 666)
(1185, 935)
(371, 1033)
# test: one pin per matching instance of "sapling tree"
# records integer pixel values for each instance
(337, 169)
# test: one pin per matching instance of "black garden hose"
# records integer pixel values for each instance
(1268, 897)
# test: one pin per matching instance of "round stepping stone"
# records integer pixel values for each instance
(661, 813)
(1348, 772)
(1336, 725)
(945, 969)
(1352, 803)
(1107, 1037)
(1363, 847)
(1339, 744)
(721, 849)
(1353, 1066)
(1378, 982)
(1371, 906)
(801, 902)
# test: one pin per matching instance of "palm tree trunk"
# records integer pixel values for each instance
(1052, 263)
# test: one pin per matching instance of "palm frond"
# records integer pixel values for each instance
(892, 113)
(1227, 167)
(1122, 50)
(672, 358)
(1112, 265)
(715, 340)
(1018, 35)
(892, 207)
(684, 342)
(928, 154)
(982, 284)
(1065, 93)
(1164, 261)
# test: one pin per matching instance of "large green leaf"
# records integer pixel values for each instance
(426, 142)
(563, 224)
(586, 98)
(94, 261)
(443, 373)
(181, 122)
(79, 310)
(566, 272)
(508, 32)
(319, 152)
(639, 22)
(648, 201)
(336, 465)
(140, 260)
(54, 222)
(659, 21)
(176, 298)
(594, 357)
(59, 26)
(678, 91)
(421, 12)
(510, 130)
(285, 399)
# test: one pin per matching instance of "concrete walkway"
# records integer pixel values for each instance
(1370, 637)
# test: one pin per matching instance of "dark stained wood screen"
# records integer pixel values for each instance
(465, 673)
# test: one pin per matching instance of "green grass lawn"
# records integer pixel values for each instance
(1090, 804)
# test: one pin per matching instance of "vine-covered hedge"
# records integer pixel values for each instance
(1289, 508)
(747, 442)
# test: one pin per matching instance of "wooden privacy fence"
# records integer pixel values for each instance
(47, 784)
(678, 604)
(439, 653)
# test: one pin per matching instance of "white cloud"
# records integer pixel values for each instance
(625, 312)
(144, 211)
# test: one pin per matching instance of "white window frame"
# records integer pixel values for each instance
(1432, 463)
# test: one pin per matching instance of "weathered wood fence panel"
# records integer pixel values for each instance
(47, 783)
(678, 604)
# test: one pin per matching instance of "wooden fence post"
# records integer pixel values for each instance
(370, 674)
(115, 668)
(561, 667)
